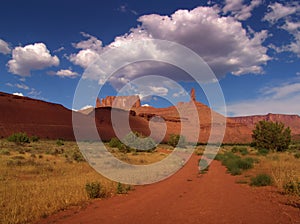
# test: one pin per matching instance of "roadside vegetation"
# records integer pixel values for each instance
(39, 177)
(272, 159)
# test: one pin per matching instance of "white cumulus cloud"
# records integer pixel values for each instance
(220, 40)
(31, 57)
(18, 94)
(90, 50)
(66, 73)
(240, 11)
(278, 11)
(4, 47)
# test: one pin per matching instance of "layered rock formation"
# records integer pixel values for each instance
(53, 121)
(121, 102)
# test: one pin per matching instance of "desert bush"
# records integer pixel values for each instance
(234, 163)
(177, 141)
(4, 152)
(93, 190)
(262, 152)
(297, 155)
(19, 138)
(242, 150)
(78, 157)
(115, 143)
(271, 136)
(137, 142)
(261, 180)
(34, 138)
(122, 189)
(60, 142)
(292, 187)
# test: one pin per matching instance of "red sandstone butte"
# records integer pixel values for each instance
(53, 121)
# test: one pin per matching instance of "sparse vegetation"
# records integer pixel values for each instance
(177, 141)
(34, 138)
(93, 190)
(40, 178)
(292, 187)
(19, 138)
(261, 180)
(297, 155)
(241, 149)
(137, 142)
(60, 142)
(271, 136)
(234, 163)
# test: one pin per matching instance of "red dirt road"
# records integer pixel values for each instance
(188, 197)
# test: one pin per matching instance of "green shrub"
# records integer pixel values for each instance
(263, 152)
(60, 142)
(35, 138)
(297, 155)
(93, 190)
(234, 163)
(115, 143)
(245, 164)
(19, 138)
(235, 149)
(4, 152)
(177, 141)
(261, 180)
(137, 142)
(271, 136)
(292, 188)
(121, 189)
(242, 150)
(78, 157)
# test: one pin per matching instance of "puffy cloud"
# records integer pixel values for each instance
(91, 43)
(84, 57)
(90, 50)
(278, 11)
(239, 10)
(31, 57)
(66, 73)
(220, 40)
(278, 99)
(18, 94)
(4, 47)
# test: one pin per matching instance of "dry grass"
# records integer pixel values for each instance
(283, 167)
(142, 158)
(40, 178)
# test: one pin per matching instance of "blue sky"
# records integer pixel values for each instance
(253, 48)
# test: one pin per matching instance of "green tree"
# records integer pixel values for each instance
(271, 135)
(177, 141)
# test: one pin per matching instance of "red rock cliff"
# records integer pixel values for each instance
(122, 102)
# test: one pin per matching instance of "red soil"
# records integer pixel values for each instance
(188, 197)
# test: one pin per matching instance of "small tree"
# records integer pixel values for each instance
(177, 141)
(271, 136)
